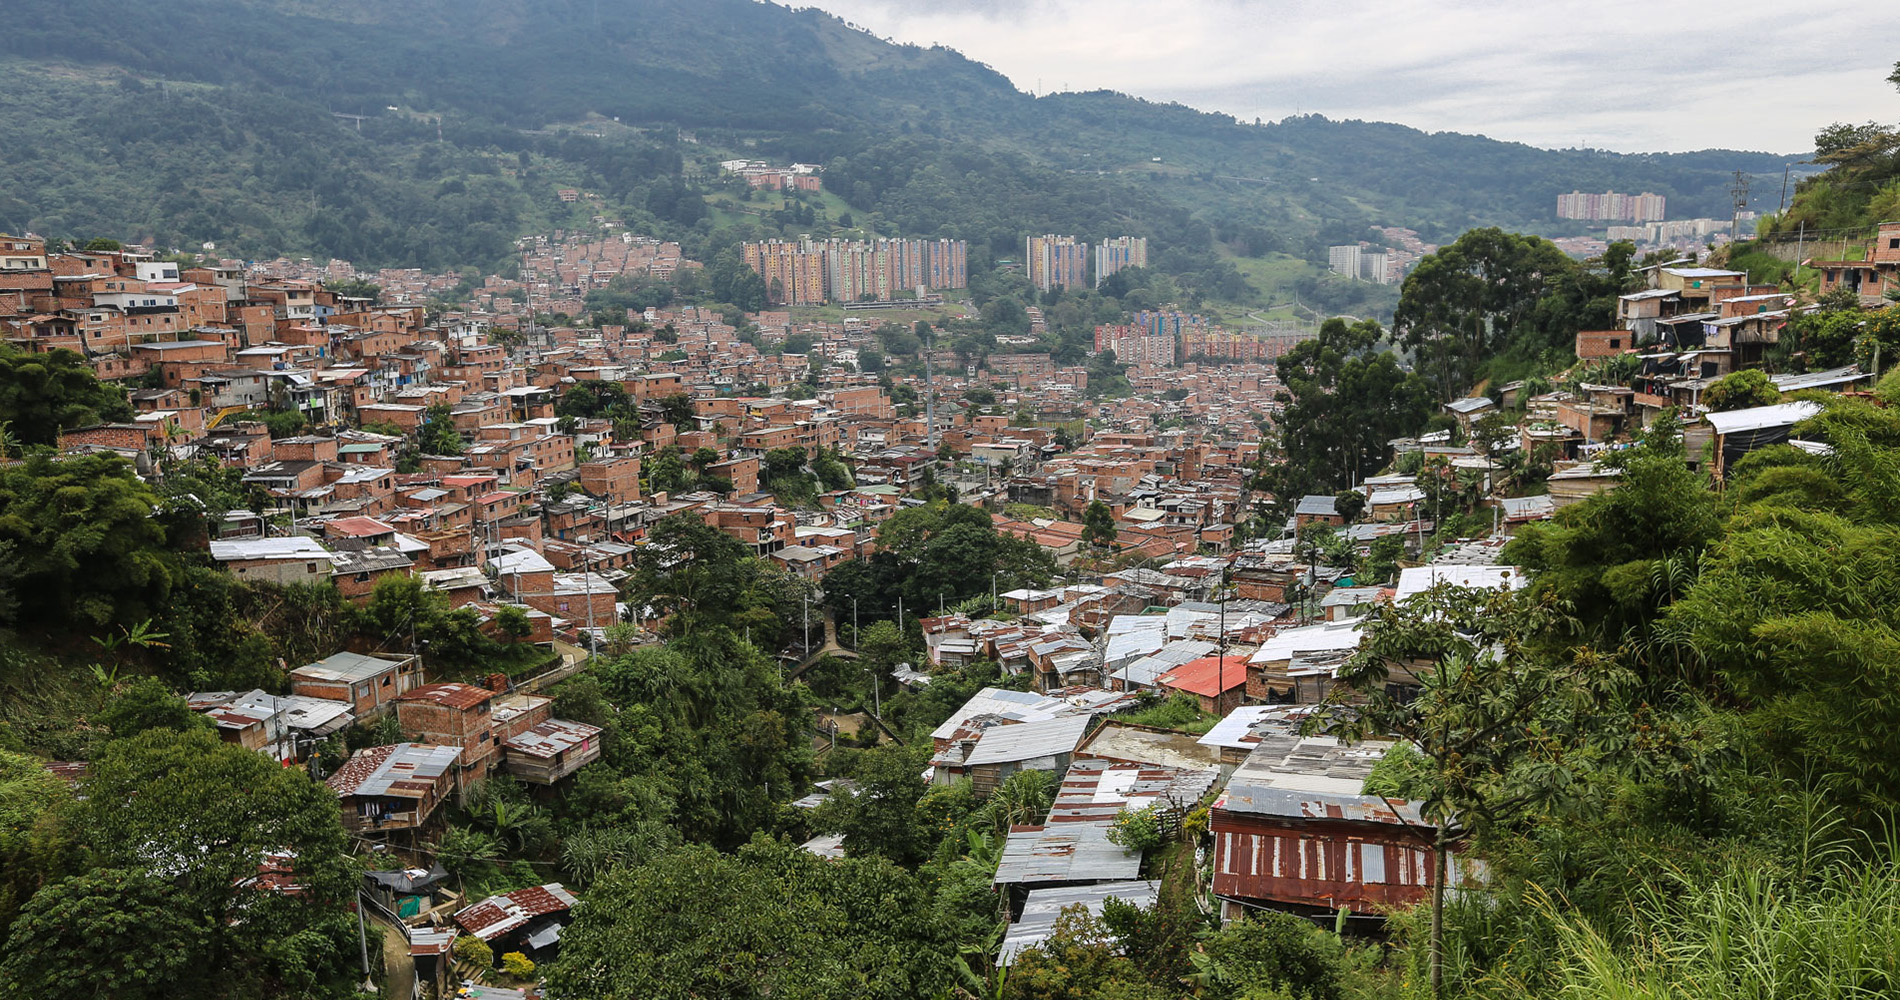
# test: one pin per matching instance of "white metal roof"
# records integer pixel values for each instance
(1311, 639)
(290, 549)
(1759, 417)
(1419, 579)
(1028, 741)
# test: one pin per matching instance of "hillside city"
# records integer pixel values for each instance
(744, 591)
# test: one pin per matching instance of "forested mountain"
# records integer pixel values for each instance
(216, 120)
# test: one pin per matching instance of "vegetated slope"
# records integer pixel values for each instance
(238, 141)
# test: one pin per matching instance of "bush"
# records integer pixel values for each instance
(472, 949)
(1137, 829)
(517, 965)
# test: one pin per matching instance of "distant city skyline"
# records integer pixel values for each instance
(1539, 73)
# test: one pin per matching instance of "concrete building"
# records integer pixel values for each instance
(1057, 262)
(1119, 252)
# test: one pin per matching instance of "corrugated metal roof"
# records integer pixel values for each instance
(452, 694)
(1760, 417)
(1065, 852)
(1816, 380)
(1238, 728)
(1312, 638)
(1418, 579)
(1044, 906)
(1283, 760)
(1098, 790)
(1147, 669)
(290, 548)
(1289, 803)
(406, 769)
(497, 915)
(1028, 741)
(348, 667)
(1016, 706)
(1318, 505)
(552, 737)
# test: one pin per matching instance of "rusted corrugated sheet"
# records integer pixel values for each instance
(1331, 862)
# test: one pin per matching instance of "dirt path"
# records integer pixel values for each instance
(399, 970)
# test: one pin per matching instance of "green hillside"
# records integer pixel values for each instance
(217, 120)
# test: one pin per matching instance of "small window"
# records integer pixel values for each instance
(1615, 343)
(1894, 243)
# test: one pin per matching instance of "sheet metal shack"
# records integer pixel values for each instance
(1293, 832)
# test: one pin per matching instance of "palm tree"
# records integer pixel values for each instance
(462, 851)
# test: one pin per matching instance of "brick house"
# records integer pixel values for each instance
(473, 719)
(396, 787)
(370, 684)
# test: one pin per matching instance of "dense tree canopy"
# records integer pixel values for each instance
(939, 553)
(41, 394)
(1345, 401)
(193, 844)
(1492, 293)
(770, 921)
(88, 549)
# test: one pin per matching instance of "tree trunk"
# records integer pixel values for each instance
(1439, 866)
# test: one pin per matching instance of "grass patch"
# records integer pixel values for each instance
(1180, 712)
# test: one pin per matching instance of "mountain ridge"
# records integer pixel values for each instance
(491, 74)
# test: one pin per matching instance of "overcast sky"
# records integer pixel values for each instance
(1630, 75)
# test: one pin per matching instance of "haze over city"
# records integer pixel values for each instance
(1624, 74)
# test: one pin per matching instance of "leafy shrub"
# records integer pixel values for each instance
(472, 949)
(1137, 829)
(517, 965)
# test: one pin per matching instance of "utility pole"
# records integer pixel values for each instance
(930, 396)
(362, 941)
(587, 580)
(805, 601)
(1220, 649)
(855, 641)
(1784, 188)
(1800, 241)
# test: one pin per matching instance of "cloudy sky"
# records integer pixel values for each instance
(1630, 75)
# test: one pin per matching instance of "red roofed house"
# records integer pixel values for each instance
(1219, 683)
(394, 787)
(532, 917)
(365, 529)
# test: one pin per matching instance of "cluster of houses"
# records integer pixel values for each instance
(1290, 826)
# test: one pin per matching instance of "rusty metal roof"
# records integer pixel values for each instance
(1065, 852)
(1288, 803)
(451, 695)
(1098, 790)
(552, 737)
(497, 915)
(408, 770)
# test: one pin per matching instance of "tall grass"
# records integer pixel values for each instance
(1748, 935)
